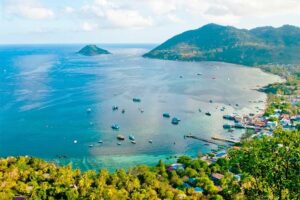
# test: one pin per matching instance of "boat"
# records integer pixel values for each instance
(210, 101)
(123, 111)
(115, 108)
(150, 141)
(175, 121)
(199, 110)
(115, 127)
(228, 117)
(208, 113)
(199, 74)
(227, 126)
(88, 110)
(91, 145)
(119, 143)
(166, 115)
(131, 137)
(75, 141)
(120, 137)
(100, 141)
(239, 125)
(136, 99)
(133, 142)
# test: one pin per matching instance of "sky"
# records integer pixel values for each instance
(132, 21)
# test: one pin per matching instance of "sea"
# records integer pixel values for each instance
(57, 105)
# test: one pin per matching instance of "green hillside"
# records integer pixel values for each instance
(212, 42)
(92, 50)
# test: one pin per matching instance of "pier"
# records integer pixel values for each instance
(224, 140)
(199, 138)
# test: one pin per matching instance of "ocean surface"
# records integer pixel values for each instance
(46, 91)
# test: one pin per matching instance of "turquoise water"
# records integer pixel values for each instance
(46, 90)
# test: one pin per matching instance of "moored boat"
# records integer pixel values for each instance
(120, 137)
(115, 108)
(135, 99)
(175, 120)
(227, 126)
(208, 113)
(115, 127)
(166, 115)
(131, 137)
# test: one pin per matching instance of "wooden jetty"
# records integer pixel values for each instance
(224, 140)
(199, 138)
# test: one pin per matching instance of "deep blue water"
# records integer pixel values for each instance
(46, 90)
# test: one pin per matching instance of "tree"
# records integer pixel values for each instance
(272, 163)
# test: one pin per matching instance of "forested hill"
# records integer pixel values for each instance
(212, 42)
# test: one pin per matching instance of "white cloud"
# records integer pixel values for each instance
(234, 11)
(114, 14)
(162, 7)
(69, 10)
(127, 18)
(30, 9)
(174, 18)
(89, 26)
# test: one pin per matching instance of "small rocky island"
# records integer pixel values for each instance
(92, 50)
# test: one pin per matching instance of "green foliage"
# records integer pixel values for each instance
(271, 165)
(214, 42)
(92, 50)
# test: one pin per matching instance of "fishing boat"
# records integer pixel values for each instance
(166, 115)
(131, 137)
(115, 127)
(136, 100)
(239, 125)
(175, 121)
(115, 108)
(120, 137)
(208, 113)
(226, 126)
(228, 117)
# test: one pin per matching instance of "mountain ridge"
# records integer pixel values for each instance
(213, 42)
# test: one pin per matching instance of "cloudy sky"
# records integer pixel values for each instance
(132, 21)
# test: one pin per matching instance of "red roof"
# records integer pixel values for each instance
(285, 116)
